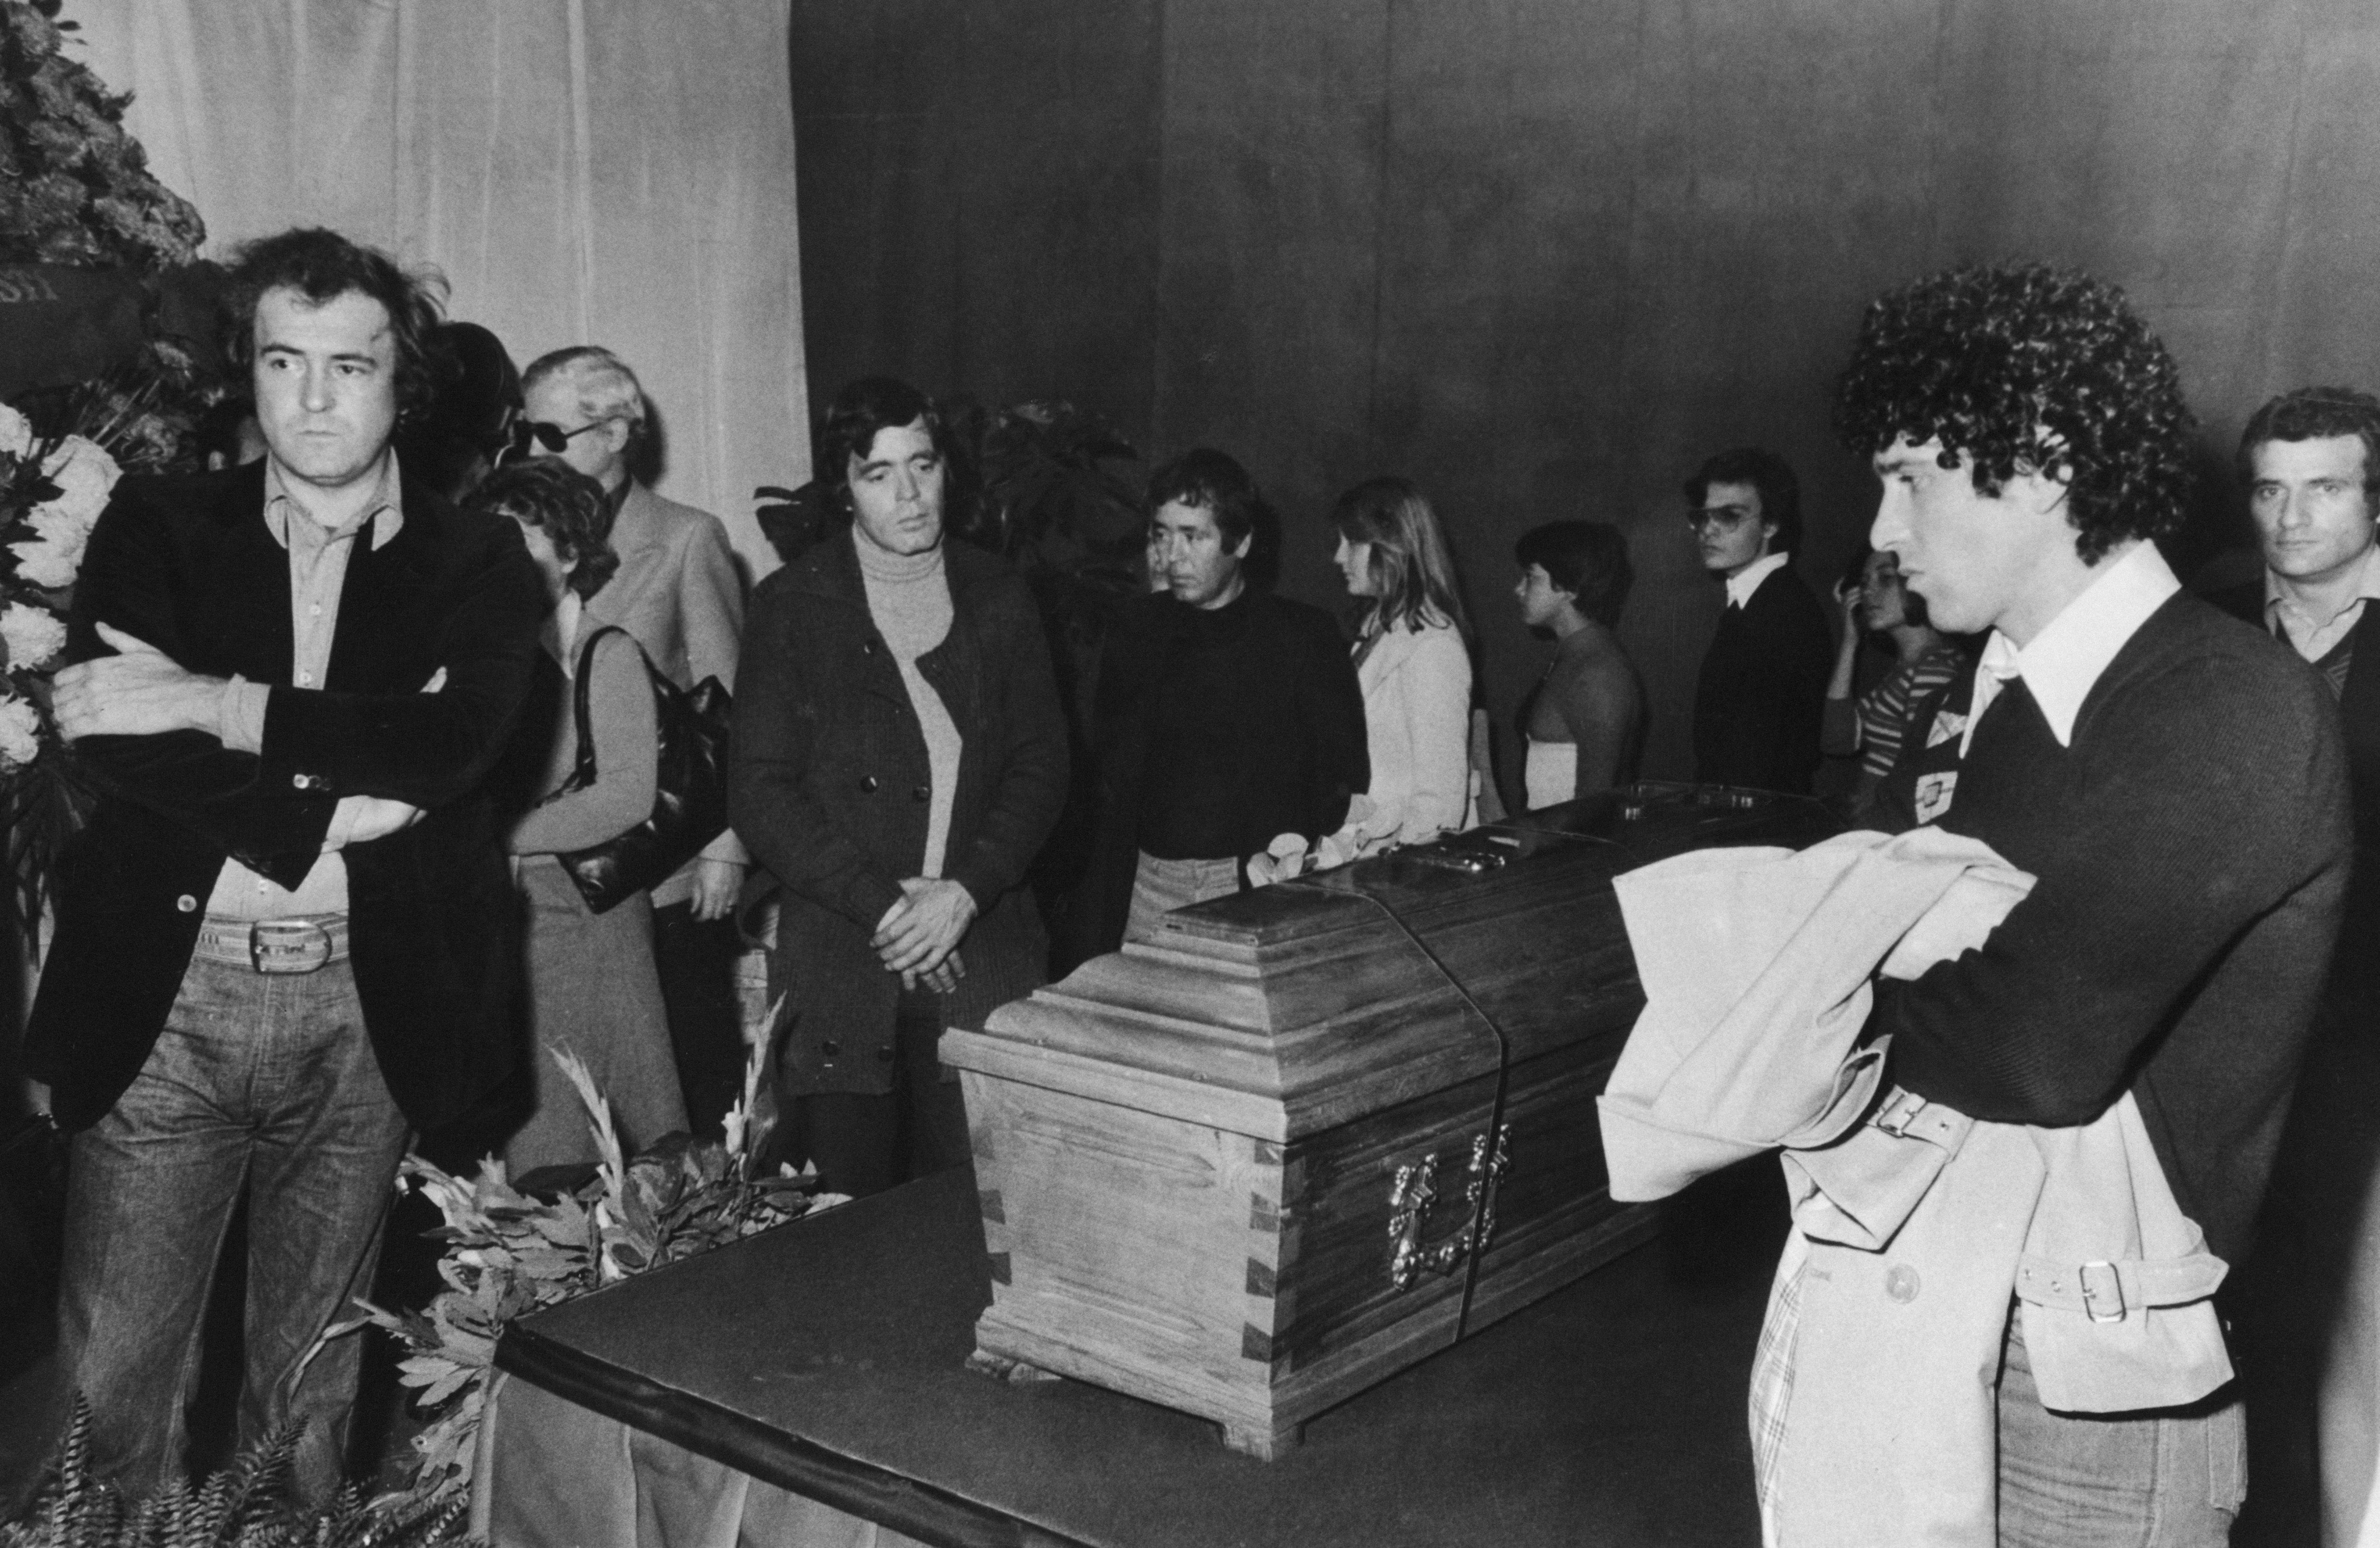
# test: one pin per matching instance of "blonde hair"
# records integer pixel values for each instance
(1412, 570)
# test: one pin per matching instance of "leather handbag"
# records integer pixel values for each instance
(690, 793)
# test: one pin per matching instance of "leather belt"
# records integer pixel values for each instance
(292, 945)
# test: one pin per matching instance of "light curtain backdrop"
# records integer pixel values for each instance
(613, 172)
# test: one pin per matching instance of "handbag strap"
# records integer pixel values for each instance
(582, 769)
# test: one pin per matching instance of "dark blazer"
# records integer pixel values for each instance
(1302, 725)
(188, 565)
(2359, 709)
(830, 785)
(1762, 689)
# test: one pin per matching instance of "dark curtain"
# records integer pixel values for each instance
(1543, 255)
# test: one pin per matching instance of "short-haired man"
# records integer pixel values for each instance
(1225, 716)
(1762, 690)
(2173, 783)
(2311, 462)
(678, 593)
(1584, 721)
(285, 937)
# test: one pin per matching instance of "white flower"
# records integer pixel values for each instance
(62, 529)
(47, 563)
(21, 732)
(56, 557)
(16, 433)
(84, 474)
(32, 634)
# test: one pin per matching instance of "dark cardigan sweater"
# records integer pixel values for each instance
(2192, 847)
(1763, 688)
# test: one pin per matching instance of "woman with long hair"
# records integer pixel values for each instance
(592, 985)
(1412, 661)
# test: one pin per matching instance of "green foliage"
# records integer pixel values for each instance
(75, 191)
(75, 188)
(1044, 493)
(508, 1252)
(245, 1505)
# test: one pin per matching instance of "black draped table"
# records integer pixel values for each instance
(809, 1385)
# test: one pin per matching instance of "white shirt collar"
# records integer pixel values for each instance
(2061, 664)
(1744, 582)
(568, 613)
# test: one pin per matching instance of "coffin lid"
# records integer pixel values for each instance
(1294, 1008)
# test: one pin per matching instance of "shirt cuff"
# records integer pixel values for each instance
(342, 822)
(240, 714)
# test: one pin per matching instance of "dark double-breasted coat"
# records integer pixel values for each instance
(189, 564)
(829, 790)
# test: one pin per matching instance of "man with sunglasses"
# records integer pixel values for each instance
(678, 593)
(1763, 686)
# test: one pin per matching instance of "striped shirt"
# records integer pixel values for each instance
(1885, 710)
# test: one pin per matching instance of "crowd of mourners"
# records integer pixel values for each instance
(369, 703)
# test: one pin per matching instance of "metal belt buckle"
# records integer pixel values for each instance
(293, 946)
(1898, 1112)
(2102, 1286)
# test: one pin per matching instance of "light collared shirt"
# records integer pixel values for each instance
(2310, 635)
(2061, 664)
(1744, 582)
(318, 569)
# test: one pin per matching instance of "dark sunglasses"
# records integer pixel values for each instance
(551, 437)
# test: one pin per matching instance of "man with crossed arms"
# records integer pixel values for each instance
(285, 937)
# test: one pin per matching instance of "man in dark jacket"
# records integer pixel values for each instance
(2173, 783)
(1225, 717)
(1762, 690)
(899, 758)
(286, 935)
(2311, 462)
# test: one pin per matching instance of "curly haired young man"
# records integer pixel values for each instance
(2175, 781)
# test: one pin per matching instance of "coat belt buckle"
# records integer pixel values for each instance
(1898, 1112)
(2102, 1288)
(292, 945)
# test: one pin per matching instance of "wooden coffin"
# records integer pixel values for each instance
(1318, 1131)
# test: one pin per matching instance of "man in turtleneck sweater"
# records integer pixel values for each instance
(1225, 717)
(899, 758)
(910, 597)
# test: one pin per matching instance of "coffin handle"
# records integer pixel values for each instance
(1414, 1191)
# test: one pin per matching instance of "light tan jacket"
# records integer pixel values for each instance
(678, 591)
(1915, 1227)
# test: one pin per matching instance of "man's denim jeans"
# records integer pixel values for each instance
(262, 1081)
(2173, 1479)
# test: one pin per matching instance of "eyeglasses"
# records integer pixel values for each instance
(1726, 518)
(553, 437)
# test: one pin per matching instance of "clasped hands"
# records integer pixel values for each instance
(142, 691)
(919, 937)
